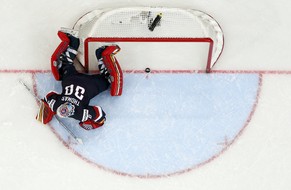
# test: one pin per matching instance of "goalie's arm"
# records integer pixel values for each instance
(93, 118)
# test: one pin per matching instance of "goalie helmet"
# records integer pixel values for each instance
(65, 110)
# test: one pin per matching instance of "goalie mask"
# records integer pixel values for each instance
(66, 110)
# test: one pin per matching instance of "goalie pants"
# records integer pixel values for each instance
(93, 84)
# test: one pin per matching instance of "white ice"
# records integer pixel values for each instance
(256, 41)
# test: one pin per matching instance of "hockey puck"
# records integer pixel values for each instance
(147, 70)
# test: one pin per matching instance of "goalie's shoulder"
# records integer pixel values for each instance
(51, 99)
(51, 95)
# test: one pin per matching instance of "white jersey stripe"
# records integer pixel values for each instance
(85, 115)
(100, 113)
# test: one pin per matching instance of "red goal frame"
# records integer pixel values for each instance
(145, 40)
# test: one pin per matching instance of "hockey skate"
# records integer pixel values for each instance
(103, 51)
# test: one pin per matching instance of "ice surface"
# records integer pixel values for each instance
(167, 122)
(256, 42)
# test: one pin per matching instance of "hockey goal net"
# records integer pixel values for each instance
(152, 37)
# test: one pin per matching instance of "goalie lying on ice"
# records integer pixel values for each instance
(79, 88)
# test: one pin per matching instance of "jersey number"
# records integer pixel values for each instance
(79, 91)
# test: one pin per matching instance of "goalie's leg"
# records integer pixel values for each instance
(110, 68)
(71, 52)
(101, 66)
(64, 55)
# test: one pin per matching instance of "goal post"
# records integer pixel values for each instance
(152, 37)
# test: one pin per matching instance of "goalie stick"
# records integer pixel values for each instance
(77, 139)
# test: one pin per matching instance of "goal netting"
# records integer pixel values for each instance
(152, 37)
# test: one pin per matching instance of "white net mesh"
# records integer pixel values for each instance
(135, 22)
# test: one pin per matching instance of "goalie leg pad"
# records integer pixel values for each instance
(65, 53)
(60, 49)
(114, 69)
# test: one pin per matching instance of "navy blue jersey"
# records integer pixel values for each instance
(79, 89)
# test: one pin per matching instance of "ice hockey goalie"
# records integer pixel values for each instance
(79, 88)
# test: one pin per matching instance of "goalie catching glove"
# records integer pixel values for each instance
(45, 114)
